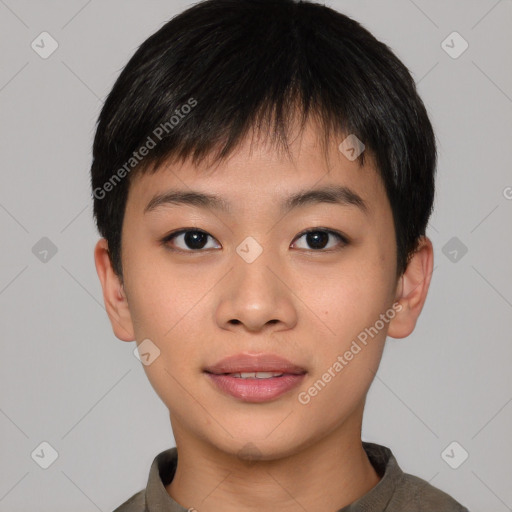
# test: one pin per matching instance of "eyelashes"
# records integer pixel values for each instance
(198, 237)
(193, 240)
(326, 233)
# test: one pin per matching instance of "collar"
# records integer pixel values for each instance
(163, 469)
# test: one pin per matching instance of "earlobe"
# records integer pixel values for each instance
(412, 289)
(114, 297)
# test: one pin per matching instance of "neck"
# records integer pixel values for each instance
(327, 475)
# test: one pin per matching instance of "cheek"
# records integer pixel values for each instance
(159, 300)
(155, 317)
(351, 300)
(348, 299)
(348, 353)
(163, 310)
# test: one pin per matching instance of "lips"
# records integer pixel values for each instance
(246, 363)
(255, 378)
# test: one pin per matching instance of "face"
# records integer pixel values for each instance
(243, 277)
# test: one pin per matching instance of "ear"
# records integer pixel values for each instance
(116, 303)
(412, 290)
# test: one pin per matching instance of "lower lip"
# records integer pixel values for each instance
(256, 390)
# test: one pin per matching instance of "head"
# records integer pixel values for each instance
(297, 120)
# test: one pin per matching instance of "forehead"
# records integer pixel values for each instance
(257, 174)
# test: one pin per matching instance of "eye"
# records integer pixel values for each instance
(191, 240)
(319, 238)
(194, 240)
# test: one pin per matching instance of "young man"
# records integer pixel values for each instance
(263, 174)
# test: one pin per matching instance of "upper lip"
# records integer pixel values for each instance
(254, 363)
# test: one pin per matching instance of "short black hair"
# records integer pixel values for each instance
(221, 67)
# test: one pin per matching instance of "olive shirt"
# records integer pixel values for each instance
(396, 491)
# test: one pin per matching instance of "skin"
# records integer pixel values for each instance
(304, 303)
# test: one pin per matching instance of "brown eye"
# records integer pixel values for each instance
(188, 240)
(318, 239)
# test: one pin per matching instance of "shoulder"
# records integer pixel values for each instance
(160, 474)
(417, 495)
(137, 503)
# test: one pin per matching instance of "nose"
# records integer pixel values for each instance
(257, 296)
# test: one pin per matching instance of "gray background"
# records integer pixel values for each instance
(68, 381)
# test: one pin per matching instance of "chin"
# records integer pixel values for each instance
(259, 444)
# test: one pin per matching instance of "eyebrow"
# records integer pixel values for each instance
(332, 194)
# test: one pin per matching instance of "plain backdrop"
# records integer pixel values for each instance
(68, 382)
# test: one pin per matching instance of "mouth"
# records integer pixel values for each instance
(262, 364)
(255, 375)
(255, 378)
